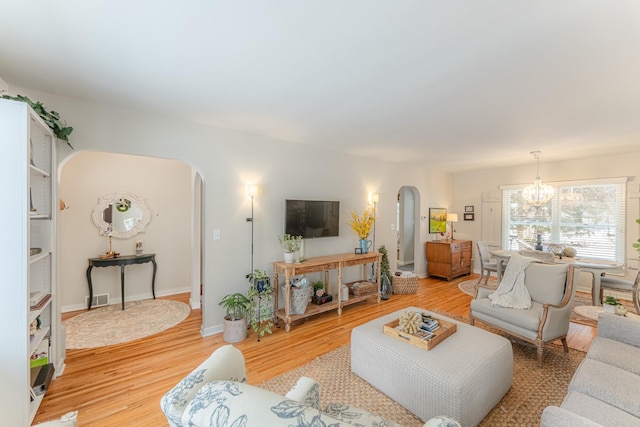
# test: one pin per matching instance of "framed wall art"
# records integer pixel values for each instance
(469, 216)
(437, 220)
(468, 208)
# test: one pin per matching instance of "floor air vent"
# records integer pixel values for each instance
(98, 300)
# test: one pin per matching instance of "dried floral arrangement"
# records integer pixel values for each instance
(361, 225)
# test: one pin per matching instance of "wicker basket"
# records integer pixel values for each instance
(361, 288)
(405, 285)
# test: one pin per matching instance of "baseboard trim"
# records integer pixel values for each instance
(212, 330)
(139, 297)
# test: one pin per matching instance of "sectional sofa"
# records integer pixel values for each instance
(605, 389)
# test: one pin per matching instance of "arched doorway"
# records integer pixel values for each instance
(172, 191)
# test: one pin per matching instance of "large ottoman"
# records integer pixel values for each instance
(463, 377)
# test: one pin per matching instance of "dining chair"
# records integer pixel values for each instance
(486, 263)
(622, 285)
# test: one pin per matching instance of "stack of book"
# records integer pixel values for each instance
(429, 324)
(38, 299)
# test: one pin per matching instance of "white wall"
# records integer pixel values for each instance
(164, 185)
(469, 186)
(227, 160)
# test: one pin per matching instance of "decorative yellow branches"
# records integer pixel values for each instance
(362, 225)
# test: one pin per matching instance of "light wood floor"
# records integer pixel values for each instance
(122, 384)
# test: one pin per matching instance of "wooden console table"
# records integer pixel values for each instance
(318, 264)
(122, 261)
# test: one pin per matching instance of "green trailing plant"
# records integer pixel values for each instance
(258, 276)
(51, 118)
(237, 306)
(261, 297)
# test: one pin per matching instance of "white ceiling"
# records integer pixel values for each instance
(457, 85)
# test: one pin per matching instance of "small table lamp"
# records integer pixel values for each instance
(452, 217)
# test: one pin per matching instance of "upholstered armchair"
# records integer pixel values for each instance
(552, 289)
(215, 394)
(486, 263)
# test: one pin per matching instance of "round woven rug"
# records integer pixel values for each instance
(111, 325)
(469, 286)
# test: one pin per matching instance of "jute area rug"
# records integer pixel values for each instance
(112, 325)
(578, 315)
(533, 388)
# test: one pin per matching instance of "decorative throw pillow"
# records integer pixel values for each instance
(546, 282)
(356, 416)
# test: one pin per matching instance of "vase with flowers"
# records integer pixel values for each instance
(361, 225)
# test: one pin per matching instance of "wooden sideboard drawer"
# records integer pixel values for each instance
(448, 259)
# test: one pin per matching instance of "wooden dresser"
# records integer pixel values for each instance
(449, 258)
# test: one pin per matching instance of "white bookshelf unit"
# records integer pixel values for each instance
(28, 257)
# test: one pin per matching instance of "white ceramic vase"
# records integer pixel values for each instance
(608, 308)
(289, 257)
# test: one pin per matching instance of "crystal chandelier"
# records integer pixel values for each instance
(537, 194)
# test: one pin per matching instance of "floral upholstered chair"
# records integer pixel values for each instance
(216, 394)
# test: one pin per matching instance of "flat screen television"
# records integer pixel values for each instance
(312, 218)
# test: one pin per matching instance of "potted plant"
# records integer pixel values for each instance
(611, 304)
(262, 302)
(385, 274)
(318, 288)
(259, 279)
(235, 321)
(291, 245)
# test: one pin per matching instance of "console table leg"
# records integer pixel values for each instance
(122, 284)
(90, 286)
(153, 279)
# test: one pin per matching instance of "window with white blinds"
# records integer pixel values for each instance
(587, 215)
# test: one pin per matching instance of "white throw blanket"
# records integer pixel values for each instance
(512, 292)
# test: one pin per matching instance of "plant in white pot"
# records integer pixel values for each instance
(612, 305)
(235, 321)
(291, 245)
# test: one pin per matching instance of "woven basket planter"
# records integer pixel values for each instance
(362, 288)
(405, 285)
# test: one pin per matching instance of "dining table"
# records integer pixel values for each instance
(594, 266)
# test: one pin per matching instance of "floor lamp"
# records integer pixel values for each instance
(252, 191)
(375, 198)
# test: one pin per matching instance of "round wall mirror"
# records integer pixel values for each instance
(123, 215)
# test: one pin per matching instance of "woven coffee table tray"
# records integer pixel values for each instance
(445, 330)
